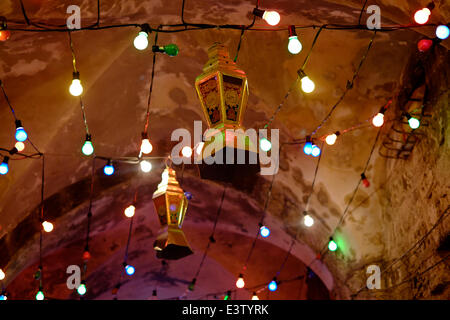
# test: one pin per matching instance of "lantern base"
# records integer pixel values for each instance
(241, 176)
(171, 244)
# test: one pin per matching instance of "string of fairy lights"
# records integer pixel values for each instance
(141, 42)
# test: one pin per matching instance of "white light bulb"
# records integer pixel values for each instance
(141, 40)
(308, 220)
(422, 16)
(294, 45)
(76, 88)
(308, 85)
(271, 17)
(378, 120)
(240, 283)
(199, 148)
(186, 151)
(265, 145)
(255, 297)
(146, 146)
(2, 275)
(48, 226)
(146, 166)
(331, 139)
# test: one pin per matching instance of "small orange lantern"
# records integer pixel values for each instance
(170, 205)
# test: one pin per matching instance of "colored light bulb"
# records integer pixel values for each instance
(307, 149)
(308, 85)
(294, 45)
(255, 297)
(271, 17)
(240, 283)
(108, 169)
(129, 211)
(21, 134)
(4, 168)
(331, 139)
(422, 16)
(2, 274)
(171, 49)
(40, 295)
(188, 195)
(82, 289)
(146, 166)
(365, 181)
(191, 286)
(424, 45)
(141, 40)
(4, 35)
(315, 151)
(76, 89)
(88, 147)
(265, 145)
(3, 297)
(20, 146)
(308, 220)
(129, 270)
(47, 226)
(264, 231)
(273, 285)
(332, 246)
(378, 120)
(186, 151)
(442, 32)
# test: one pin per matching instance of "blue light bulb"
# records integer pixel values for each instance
(264, 231)
(21, 134)
(3, 297)
(108, 169)
(129, 270)
(307, 149)
(442, 32)
(4, 168)
(273, 285)
(315, 152)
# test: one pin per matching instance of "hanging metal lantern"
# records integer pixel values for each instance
(170, 205)
(223, 92)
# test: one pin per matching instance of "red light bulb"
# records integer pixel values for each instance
(86, 256)
(4, 35)
(365, 181)
(424, 45)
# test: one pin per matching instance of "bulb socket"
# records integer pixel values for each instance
(158, 49)
(407, 115)
(431, 6)
(109, 163)
(258, 12)
(3, 24)
(144, 135)
(13, 151)
(146, 28)
(337, 133)
(88, 137)
(5, 159)
(301, 73)
(308, 139)
(363, 176)
(76, 75)
(291, 30)
(18, 124)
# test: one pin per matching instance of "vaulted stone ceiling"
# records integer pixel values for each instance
(36, 69)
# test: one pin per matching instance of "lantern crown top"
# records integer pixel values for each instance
(219, 59)
(168, 181)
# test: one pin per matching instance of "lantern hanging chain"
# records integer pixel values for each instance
(211, 238)
(147, 118)
(348, 87)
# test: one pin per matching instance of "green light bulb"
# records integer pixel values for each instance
(171, 49)
(82, 289)
(88, 148)
(40, 295)
(332, 246)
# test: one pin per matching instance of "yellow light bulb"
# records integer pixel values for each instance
(48, 226)
(146, 146)
(240, 283)
(308, 85)
(378, 120)
(271, 17)
(20, 146)
(331, 139)
(255, 297)
(76, 88)
(129, 211)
